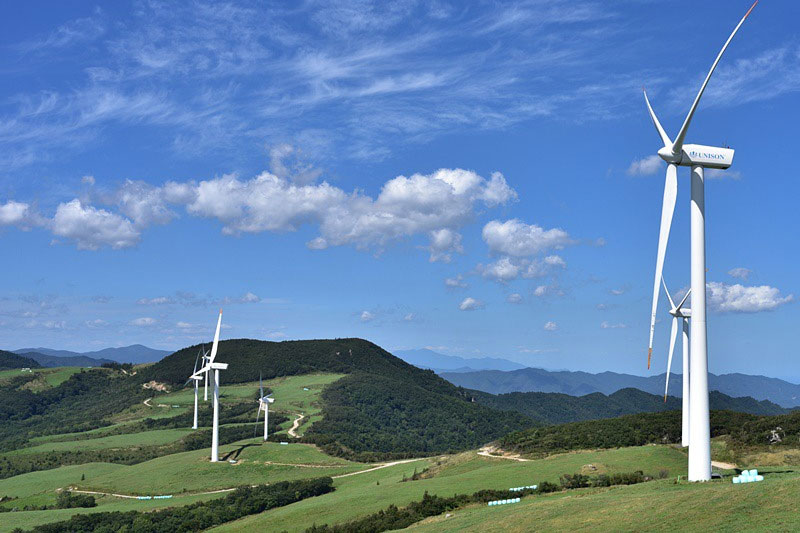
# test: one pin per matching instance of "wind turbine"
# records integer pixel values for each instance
(698, 157)
(678, 312)
(196, 378)
(216, 367)
(263, 405)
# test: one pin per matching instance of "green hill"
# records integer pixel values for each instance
(383, 408)
(10, 360)
(556, 408)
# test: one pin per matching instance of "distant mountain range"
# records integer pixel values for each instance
(424, 358)
(556, 408)
(775, 390)
(135, 354)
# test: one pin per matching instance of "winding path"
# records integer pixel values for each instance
(295, 425)
(488, 451)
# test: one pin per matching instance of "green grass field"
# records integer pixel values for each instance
(770, 505)
(362, 494)
(46, 377)
(144, 438)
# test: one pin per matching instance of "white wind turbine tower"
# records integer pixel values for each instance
(216, 367)
(263, 405)
(196, 378)
(698, 157)
(679, 312)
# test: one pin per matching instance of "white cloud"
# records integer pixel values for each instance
(550, 326)
(250, 298)
(143, 203)
(547, 290)
(185, 325)
(54, 324)
(456, 282)
(515, 238)
(13, 213)
(366, 316)
(514, 298)
(740, 299)
(609, 325)
(507, 269)
(443, 242)
(96, 323)
(93, 228)
(618, 292)
(276, 335)
(159, 300)
(720, 174)
(143, 321)
(645, 166)
(470, 304)
(740, 272)
(409, 317)
(87, 180)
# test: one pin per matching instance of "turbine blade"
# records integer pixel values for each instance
(672, 338)
(678, 144)
(663, 134)
(667, 209)
(196, 359)
(684, 299)
(667, 291)
(216, 339)
(255, 429)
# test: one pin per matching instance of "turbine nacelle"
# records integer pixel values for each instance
(698, 154)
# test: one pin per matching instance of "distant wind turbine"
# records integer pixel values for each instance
(679, 312)
(216, 367)
(698, 157)
(263, 405)
(196, 378)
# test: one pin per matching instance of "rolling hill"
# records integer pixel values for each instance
(53, 361)
(10, 360)
(775, 390)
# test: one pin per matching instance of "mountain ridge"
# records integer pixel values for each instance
(579, 383)
(135, 353)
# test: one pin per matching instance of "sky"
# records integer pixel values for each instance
(477, 178)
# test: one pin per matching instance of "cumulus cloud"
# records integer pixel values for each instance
(87, 180)
(158, 300)
(143, 321)
(610, 325)
(514, 298)
(740, 299)
(366, 316)
(645, 166)
(442, 243)
(409, 317)
(507, 269)
(143, 204)
(515, 238)
(96, 323)
(547, 290)
(550, 326)
(470, 304)
(740, 272)
(456, 282)
(14, 213)
(93, 228)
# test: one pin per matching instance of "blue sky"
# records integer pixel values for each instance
(478, 178)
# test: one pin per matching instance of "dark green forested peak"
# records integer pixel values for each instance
(12, 360)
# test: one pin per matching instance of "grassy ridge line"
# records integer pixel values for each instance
(656, 506)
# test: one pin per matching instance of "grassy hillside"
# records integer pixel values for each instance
(655, 506)
(555, 408)
(11, 360)
(384, 408)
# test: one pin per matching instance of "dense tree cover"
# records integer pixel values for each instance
(248, 358)
(393, 518)
(196, 517)
(781, 430)
(557, 408)
(82, 402)
(371, 417)
(68, 500)
(9, 360)
(630, 430)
